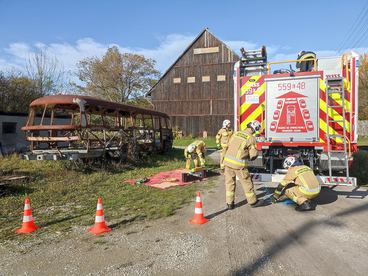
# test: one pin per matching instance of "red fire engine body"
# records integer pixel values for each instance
(310, 113)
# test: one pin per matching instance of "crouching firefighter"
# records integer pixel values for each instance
(241, 147)
(299, 184)
(195, 152)
(222, 140)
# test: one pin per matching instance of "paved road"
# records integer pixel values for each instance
(275, 239)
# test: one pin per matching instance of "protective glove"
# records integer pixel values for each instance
(253, 158)
(274, 199)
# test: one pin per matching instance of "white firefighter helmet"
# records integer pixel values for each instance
(226, 123)
(254, 125)
(191, 148)
(288, 162)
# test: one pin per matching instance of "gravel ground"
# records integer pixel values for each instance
(274, 240)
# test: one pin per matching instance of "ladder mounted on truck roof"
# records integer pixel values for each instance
(253, 62)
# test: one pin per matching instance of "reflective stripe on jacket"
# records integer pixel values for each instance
(304, 178)
(241, 147)
(200, 149)
(223, 137)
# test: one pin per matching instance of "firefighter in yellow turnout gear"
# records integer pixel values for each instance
(195, 152)
(299, 184)
(222, 140)
(242, 147)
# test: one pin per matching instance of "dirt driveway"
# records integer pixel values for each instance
(274, 239)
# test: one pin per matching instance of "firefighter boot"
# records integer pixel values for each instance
(230, 206)
(259, 203)
(307, 205)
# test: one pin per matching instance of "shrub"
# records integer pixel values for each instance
(359, 168)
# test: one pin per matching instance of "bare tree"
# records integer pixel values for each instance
(46, 71)
(118, 77)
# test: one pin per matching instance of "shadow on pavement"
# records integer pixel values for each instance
(49, 223)
(326, 196)
(284, 242)
(354, 194)
(215, 214)
(123, 222)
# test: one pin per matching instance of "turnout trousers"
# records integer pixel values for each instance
(245, 180)
(222, 155)
(298, 196)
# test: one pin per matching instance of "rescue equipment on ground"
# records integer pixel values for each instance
(194, 174)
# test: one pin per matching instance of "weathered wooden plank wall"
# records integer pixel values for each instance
(197, 91)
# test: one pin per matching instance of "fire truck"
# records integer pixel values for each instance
(310, 111)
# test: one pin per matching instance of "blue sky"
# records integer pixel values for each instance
(72, 30)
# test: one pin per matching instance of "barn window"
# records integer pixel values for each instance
(205, 78)
(176, 80)
(9, 128)
(221, 78)
(191, 80)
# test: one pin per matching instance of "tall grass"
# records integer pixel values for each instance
(64, 195)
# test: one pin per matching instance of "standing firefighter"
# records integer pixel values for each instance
(195, 151)
(242, 147)
(222, 140)
(299, 184)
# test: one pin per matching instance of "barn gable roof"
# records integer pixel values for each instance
(183, 53)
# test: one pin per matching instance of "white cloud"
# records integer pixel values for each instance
(169, 48)
(69, 54)
(235, 45)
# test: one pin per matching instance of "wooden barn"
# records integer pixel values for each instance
(197, 90)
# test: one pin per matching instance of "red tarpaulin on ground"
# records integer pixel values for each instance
(164, 180)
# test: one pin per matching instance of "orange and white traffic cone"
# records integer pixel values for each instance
(28, 225)
(198, 212)
(100, 225)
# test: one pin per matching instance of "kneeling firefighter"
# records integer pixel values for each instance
(195, 152)
(241, 147)
(299, 184)
(222, 140)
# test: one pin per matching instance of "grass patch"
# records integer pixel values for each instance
(64, 196)
(185, 141)
(363, 141)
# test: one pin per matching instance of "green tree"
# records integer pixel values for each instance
(363, 88)
(141, 102)
(17, 92)
(118, 77)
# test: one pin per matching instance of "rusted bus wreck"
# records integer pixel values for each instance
(76, 127)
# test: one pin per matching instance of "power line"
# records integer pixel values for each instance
(362, 37)
(357, 25)
(355, 28)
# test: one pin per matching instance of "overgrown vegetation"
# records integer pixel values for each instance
(363, 141)
(185, 141)
(363, 88)
(64, 196)
(359, 167)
